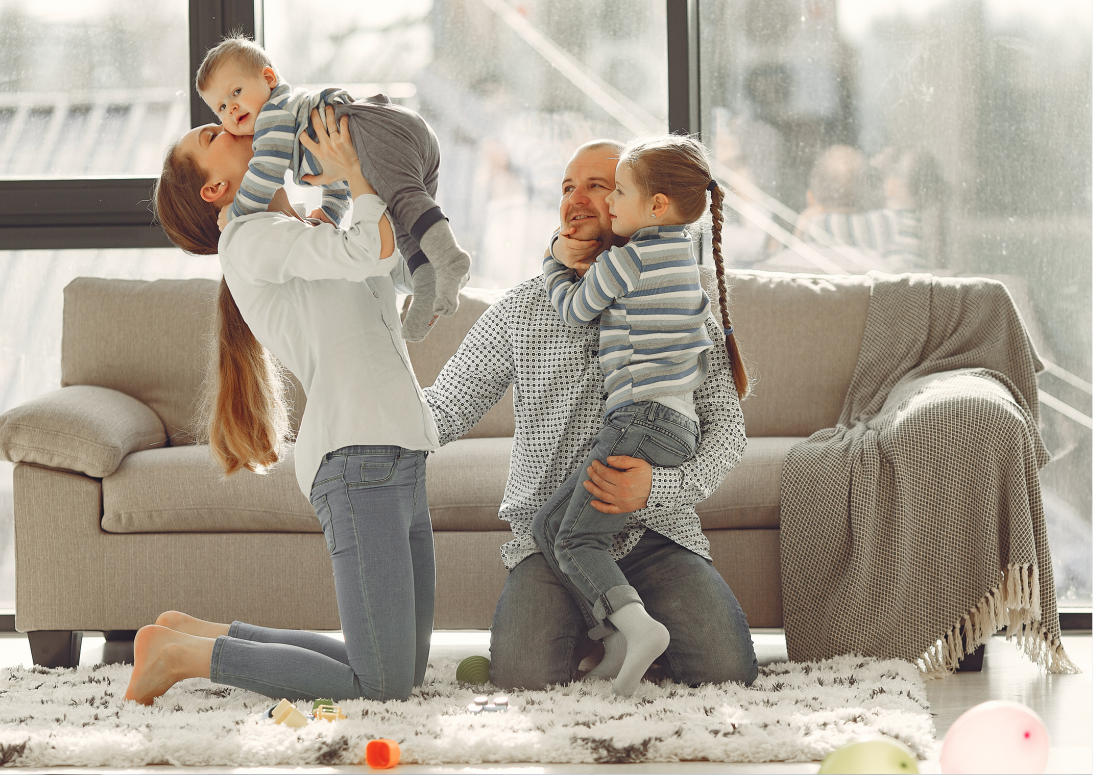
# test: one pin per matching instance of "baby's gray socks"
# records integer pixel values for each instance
(420, 317)
(452, 265)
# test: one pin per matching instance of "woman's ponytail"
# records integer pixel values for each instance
(243, 418)
(246, 414)
(739, 373)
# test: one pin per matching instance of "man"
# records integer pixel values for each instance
(539, 633)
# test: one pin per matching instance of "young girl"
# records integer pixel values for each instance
(322, 300)
(652, 350)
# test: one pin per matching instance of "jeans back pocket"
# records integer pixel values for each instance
(375, 470)
(322, 511)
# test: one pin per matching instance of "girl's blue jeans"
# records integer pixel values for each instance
(370, 501)
(576, 539)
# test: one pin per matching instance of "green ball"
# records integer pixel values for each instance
(473, 670)
(882, 755)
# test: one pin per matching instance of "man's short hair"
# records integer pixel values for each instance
(237, 48)
(593, 145)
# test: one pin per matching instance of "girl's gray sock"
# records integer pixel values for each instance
(646, 639)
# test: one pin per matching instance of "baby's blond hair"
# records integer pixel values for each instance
(237, 48)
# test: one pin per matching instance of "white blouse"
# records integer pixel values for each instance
(323, 302)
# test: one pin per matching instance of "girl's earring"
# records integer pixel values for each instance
(654, 215)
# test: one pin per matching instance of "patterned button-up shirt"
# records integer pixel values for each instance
(559, 399)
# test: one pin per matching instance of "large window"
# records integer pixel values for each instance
(969, 117)
(964, 124)
(91, 88)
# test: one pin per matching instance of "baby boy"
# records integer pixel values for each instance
(399, 155)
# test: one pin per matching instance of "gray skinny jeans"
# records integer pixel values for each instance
(371, 503)
(576, 539)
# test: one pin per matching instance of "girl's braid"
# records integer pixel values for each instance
(739, 373)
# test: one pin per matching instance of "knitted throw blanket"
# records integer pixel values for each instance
(914, 528)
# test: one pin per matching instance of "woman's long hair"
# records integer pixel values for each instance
(676, 166)
(243, 415)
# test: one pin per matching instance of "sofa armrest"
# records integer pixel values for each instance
(80, 428)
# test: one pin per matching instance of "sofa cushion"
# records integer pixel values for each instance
(466, 483)
(429, 356)
(81, 428)
(145, 339)
(181, 490)
(149, 340)
(750, 496)
(800, 336)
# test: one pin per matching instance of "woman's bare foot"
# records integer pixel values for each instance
(180, 622)
(161, 658)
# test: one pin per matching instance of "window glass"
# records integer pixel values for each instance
(966, 128)
(510, 88)
(91, 87)
(31, 304)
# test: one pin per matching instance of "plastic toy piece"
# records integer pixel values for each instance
(329, 713)
(285, 713)
(501, 701)
(473, 670)
(481, 700)
(474, 707)
(316, 704)
(381, 754)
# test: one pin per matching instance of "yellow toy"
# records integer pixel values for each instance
(285, 713)
(328, 713)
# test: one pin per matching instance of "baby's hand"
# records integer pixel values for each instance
(321, 215)
(222, 219)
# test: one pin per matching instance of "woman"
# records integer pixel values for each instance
(322, 300)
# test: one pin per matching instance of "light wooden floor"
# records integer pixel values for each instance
(1064, 702)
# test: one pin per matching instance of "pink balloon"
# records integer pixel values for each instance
(999, 736)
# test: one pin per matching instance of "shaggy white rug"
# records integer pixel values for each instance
(793, 712)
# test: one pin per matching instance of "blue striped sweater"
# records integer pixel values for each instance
(277, 148)
(652, 310)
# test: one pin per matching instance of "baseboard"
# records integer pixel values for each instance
(7, 622)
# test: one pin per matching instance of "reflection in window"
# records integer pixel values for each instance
(510, 89)
(77, 81)
(947, 136)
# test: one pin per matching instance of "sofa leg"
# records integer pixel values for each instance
(118, 649)
(119, 635)
(972, 663)
(55, 648)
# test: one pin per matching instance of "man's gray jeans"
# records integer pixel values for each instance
(539, 633)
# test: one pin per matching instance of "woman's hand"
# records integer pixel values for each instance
(335, 153)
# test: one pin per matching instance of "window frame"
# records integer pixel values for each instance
(112, 211)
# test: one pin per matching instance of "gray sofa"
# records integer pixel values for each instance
(118, 516)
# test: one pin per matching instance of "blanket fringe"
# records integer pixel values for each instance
(1014, 604)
